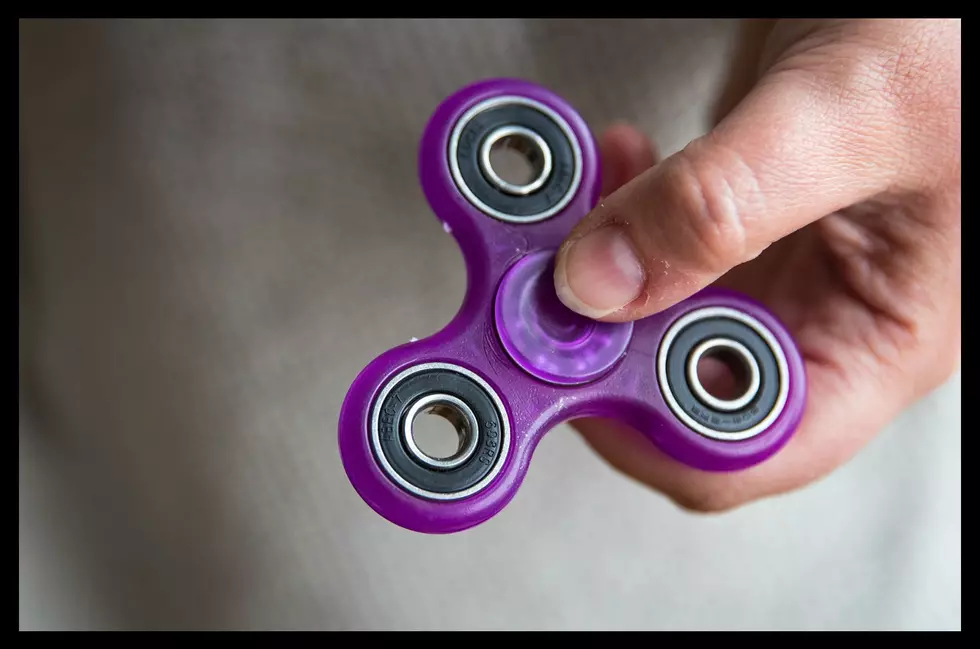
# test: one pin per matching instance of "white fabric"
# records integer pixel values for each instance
(221, 224)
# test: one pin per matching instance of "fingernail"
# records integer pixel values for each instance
(599, 273)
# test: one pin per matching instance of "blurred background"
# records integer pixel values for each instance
(221, 224)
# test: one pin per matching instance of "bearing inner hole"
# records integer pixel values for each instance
(723, 374)
(440, 431)
(516, 160)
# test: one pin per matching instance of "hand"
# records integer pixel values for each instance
(831, 193)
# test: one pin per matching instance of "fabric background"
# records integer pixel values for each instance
(221, 224)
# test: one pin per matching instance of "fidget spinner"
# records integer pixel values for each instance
(514, 362)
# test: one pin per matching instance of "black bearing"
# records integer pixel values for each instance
(391, 423)
(519, 208)
(754, 411)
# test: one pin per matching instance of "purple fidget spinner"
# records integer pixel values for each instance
(514, 362)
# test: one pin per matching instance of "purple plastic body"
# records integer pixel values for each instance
(547, 364)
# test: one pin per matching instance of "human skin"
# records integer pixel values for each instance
(830, 192)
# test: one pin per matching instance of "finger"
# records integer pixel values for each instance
(789, 154)
(626, 153)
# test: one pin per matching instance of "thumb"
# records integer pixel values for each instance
(789, 154)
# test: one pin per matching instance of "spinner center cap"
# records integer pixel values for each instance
(543, 336)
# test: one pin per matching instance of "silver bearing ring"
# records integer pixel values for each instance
(530, 126)
(469, 403)
(721, 328)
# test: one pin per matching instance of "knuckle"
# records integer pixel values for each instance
(893, 85)
(949, 363)
(707, 193)
(706, 500)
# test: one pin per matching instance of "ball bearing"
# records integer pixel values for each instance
(535, 130)
(463, 398)
(712, 329)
